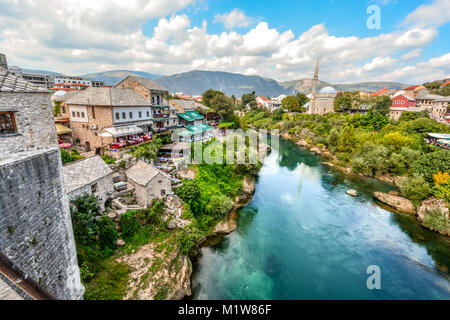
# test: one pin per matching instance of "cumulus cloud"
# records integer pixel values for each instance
(89, 36)
(234, 18)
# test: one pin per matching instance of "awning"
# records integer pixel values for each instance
(123, 131)
(445, 136)
(191, 116)
(193, 129)
(60, 129)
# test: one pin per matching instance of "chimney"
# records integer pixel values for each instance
(3, 63)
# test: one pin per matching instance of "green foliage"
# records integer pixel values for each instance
(400, 163)
(219, 206)
(248, 98)
(108, 159)
(129, 225)
(188, 238)
(291, 103)
(147, 151)
(56, 108)
(382, 105)
(107, 235)
(209, 95)
(302, 99)
(347, 140)
(333, 139)
(68, 157)
(110, 284)
(437, 220)
(224, 107)
(415, 188)
(371, 160)
(432, 163)
(410, 116)
(189, 192)
(84, 219)
(343, 102)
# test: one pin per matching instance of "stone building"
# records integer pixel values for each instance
(90, 176)
(36, 235)
(146, 88)
(149, 183)
(100, 115)
(322, 102)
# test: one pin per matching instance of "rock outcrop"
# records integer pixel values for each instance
(430, 205)
(352, 193)
(159, 272)
(397, 202)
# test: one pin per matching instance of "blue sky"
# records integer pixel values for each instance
(278, 39)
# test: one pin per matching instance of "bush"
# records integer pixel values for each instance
(188, 238)
(108, 235)
(430, 164)
(190, 193)
(219, 206)
(108, 159)
(347, 140)
(442, 186)
(84, 219)
(371, 160)
(415, 188)
(68, 157)
(129, 225)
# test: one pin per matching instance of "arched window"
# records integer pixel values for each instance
(7, 124)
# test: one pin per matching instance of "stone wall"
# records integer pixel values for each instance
(141, 90)
(33, 113)
(35, 224)
(153, 190)
(105, 191)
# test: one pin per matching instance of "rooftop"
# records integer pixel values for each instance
(9, 82)
(149, 84)
(84, 172)
(108, 97)
(142, 173)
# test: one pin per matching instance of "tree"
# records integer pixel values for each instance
(382, 105)
(415, 188)
(223, 106)
(190, 193)
(291, 103)
(371, 160)
(129, 225)
(343, 102)
(347, 140)
(84, 213)
(432, 163)
(209, 95)
(219, 206)
(248, 98)
(56, 108)
(107, 235)
(302, 99)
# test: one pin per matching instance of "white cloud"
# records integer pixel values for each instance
(234, 18)
(90, 36)
(434, 14)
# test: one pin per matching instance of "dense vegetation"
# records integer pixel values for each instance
(69, 157)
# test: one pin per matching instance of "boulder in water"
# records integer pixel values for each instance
(352, 193)
(398, 203)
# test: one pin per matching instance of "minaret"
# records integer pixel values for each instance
(314, 89)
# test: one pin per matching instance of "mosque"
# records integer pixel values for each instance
(322, 102)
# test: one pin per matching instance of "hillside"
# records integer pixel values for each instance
(196, 82)
(305, 86)
(112, 78)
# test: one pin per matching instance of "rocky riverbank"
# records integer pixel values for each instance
(424, 212)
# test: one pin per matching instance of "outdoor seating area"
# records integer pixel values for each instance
(439, 140)
(130, 141)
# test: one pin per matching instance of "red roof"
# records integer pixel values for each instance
(446, 83)
(264, 98)
(71, 84)
(411, 88)
(379, 92)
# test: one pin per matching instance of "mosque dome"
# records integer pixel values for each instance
(328, 90)
(60, 93)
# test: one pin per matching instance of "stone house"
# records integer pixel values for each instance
(164, 116)
(98, 116)
(36, 235)
(149, 183)
(89, 177)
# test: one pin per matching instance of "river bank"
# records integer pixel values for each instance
(392, 200)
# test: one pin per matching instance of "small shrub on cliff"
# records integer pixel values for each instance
(188, 238)
(219, 206)
(415, 188)
(438, 221)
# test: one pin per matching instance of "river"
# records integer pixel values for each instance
(302, 237)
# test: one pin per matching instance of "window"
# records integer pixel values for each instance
(93, 112)
(78, 114)
(148, 114)
(82, 114)
(163, 192)
(73, 114)
(124, 115)
(7, 124)
(131, 115)
(94, 188)
(117, 116)
(63, 109)
(140, 114)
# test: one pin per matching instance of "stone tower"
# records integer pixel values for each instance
(314, 89)
(3, 63)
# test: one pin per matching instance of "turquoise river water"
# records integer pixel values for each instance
(303, 237)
